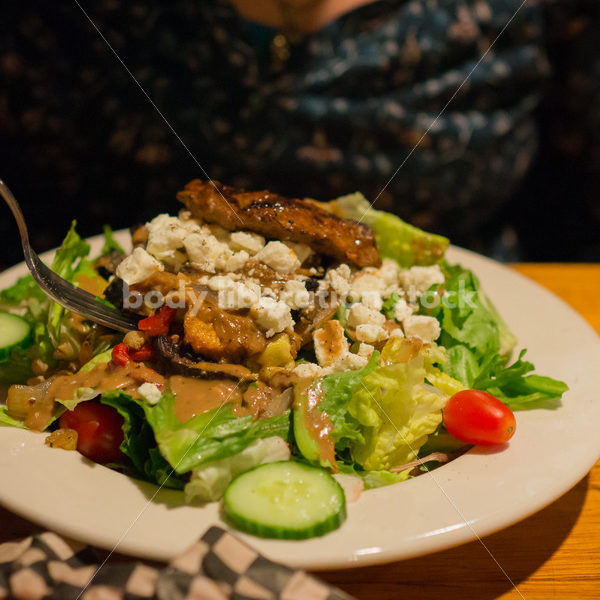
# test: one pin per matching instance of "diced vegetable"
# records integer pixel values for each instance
(159, 323)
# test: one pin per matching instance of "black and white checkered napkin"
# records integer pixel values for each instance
(219, 566)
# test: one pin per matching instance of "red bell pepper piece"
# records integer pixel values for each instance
(120, 354)
(159, 323)
(145, 353)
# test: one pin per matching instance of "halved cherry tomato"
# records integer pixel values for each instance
(99, 431)
(159, 323)
(476, 417)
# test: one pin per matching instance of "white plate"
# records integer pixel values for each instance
(477, 494)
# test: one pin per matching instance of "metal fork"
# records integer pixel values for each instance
(60, 290)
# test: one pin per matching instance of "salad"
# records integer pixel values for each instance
(290, 354)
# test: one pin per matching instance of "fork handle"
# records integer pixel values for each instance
(16, 211)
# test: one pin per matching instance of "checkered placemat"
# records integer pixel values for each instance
(219, 566)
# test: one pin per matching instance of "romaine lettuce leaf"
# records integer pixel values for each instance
(209, 436)
(139, 444)
(337, 392)
(208, 482)
(6, 419)
(406, 244)
(397, 411)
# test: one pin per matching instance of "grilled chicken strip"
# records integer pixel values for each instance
(282, 218)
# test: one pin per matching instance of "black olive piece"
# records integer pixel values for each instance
(312, 284)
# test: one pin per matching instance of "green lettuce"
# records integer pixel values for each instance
(110, 244)
(208, 482)
(209, 436)
(337, 392)
(406, 244)
(479, 343)
(397, 411)
(139, 444)
(514, 387)
(55, 339)
(6, 419)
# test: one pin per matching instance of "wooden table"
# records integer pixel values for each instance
(555, 554)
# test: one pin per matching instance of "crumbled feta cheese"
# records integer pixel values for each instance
(389, 272)
(190, 224)
(372, 299)
(165, 236)
(219, 282)
(136, 267)
(330, 343)
(302, 251)
(234, 295)
(338, 280)
(365, 350)
(239, 295)
(150, 393)
(370, 333)
(426, 328)
(272, 316)
(248, 241)
(366, 282)
(279, 257)
(295, 294)
(237, 261)
(402, 310)
(349, 362)
(359, 314)
(207, 251)
(417, 280)
(397, 332)
(308, 370)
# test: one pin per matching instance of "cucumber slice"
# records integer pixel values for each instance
(285, 500)
(15, 332)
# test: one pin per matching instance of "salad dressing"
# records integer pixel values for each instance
(195, 396)
(318, 424)
(104, 377)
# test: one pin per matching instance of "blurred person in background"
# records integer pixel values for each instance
(310, 98)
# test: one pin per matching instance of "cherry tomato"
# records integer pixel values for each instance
(159, 323)
(476, 417)
(99, 431)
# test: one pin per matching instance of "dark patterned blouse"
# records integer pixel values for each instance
(435, 108)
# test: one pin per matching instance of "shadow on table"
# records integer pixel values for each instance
(469, 571)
